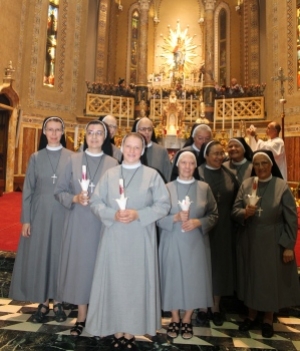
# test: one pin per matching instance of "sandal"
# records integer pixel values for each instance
(39, 315)
(78, 328)
(60, 315)
(173, 329)
(117, 343)
(128, 344)
(187, 328)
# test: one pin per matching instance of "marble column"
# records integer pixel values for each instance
(142, 66)
(209, 82)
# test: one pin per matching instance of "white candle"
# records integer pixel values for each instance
(111, 105)
(254, 186)
(230, 133)
(191, 109)
(127, 113)
(223, 119)
(161, 103)
(121, 187)
(76, 137)
(84, 172)
(120, 111)
(232, 115)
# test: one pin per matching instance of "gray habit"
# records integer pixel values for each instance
(158, 158)
(224, 187)
(184, 258)
(82, 229)
(125, 294)
(36, 266)
(241, 172)
(265, 282)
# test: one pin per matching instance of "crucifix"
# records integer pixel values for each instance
(259, 211)
(54, 177)
(92, 186)
(282, 100)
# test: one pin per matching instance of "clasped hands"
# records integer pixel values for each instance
(126, 216)
(250, 211)
(82, 198)
(187, 224)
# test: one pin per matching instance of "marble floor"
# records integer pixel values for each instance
(18, 333)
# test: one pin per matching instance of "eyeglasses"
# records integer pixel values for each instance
(221, 154)
(261, 164)
(206, 140)
(112, 126)
(51, 130)
(96, 133)
(146, 129)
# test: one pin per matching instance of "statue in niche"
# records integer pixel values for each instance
(172, 115)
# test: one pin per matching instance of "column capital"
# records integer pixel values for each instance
(144, 4)
(209, 5)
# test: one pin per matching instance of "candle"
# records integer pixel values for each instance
(120, 111)
(254, 187)
(111, 105)
(184, 102)
(84, 177)
(121, 187)
(75, 137)
(127, 113)
(161, 102)
(230, 133)
(232, 115)
(223, 119)
(191, 109)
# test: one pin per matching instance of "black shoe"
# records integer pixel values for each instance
(217, 319)
(202, 318)
(267, 330)
(246, 325)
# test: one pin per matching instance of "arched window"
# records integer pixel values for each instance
(134, 36)
(51, 43)
(298, 44)
(222, 64)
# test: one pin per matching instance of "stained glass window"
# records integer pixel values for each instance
(134, 46)
(51, 44)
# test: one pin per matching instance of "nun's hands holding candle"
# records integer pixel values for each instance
(81, 198)
(190, 224)
(126, 216)
(181, 216)
(250, 211)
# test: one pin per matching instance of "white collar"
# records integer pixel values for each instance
(212, 168)
(93, 155)
(265, 180)
(54, 148)
(195, 148)
(136, 165)
(185, 181)
(244, 160)
(149, 144)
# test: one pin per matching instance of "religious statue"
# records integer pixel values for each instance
(172, 115)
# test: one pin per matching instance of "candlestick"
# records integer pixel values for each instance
(161, 102)
(111, 105)
(120, 111)
(84, 177)
(76, 137)
(223, 119)
(232, 115)
(127, 113)
(191, 109)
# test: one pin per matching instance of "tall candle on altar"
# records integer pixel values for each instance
(191, 109)
(127, 113)
(232, 115)
(214, 127)
(120, 111)
(223, 119)
(76, 137)
(111, 104)
(84, 177)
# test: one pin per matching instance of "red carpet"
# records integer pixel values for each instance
(10, 225)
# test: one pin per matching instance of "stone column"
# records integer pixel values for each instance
(209, 82)
(142, 66)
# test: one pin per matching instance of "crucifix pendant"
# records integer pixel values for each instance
(259, 211)
(92, 186)
(54, 177)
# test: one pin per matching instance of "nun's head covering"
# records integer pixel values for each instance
(143, 157)
(248, 153)
(275, 171)
(175, 172)
(195, 128)
(205, 148)
(136, 125)
(43, 139)
(105, 119)
(106, 146)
